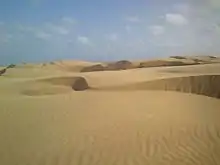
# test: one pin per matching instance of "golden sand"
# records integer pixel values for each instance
(158, 116)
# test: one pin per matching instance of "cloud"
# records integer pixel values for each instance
(5, 38)
(55, 29)
(83, 40)
(169, 44)
(5, 34)
(58, 29)
(214, 3)
(69, 20)
(157, 30)
(112, 37)
(183, 8)
(215, 28)
(133, 19)
(176, 19)
(128, 28)
(42, 35)
(38, 32)
(24, 28)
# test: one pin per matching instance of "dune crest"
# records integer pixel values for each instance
(76, 83)
(164, 63)
(207, 85)
(56, 86)
(125, 65)
(3, 71)
(93, 68)
(120, 65)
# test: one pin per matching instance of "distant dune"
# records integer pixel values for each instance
(4, 69)
(172, 61)
(163, 63)
(93, 68)
(158, 112)
(120, 65)
(112, 66)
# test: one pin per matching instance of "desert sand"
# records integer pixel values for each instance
(158, 112)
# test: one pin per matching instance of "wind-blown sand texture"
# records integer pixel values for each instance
(55, 114)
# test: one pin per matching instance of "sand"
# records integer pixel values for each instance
(157, 115)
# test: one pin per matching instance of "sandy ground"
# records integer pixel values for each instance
(158, 116)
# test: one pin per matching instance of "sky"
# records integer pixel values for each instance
(106, 30)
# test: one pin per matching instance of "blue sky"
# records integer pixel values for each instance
(45, 30)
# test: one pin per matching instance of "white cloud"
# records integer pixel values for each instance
(215, 28)
(69, 20)
(61, 30)
(134, 19)
(161, 17)
(214, 3)
(170, 44)
(38, 32)
(176, 19)
(5, 38)
(112, 37)
(182, 8)
(24, 28)
(157, 30)
(70, 41)
(83, 40)
(58, 29)
(42, 35)
(128, 28)
(48, 27)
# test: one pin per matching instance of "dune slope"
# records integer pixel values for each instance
(121, 128)
(207, 85)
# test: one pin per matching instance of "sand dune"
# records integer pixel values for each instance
(45, 90)
(125, 65)
(55, 86)
(73, 66)
(77, 83)
(178, 57)
(54, 114)
(163, 63)
(3, 70)
(207, 85)
(93, 68)
(120, 65)
(112, 66)
(110, 128)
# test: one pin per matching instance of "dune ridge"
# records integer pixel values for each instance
(207, 85)
(164, 63)
(124, 65)
(77, 83)
(93, 68)
(55, 86)
(4, 70)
